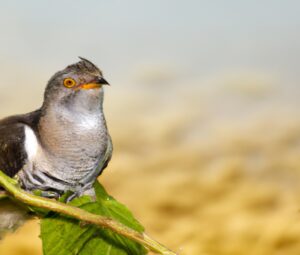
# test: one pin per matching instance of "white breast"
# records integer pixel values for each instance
(88, 122)
(31, 143)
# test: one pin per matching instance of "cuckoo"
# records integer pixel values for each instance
(62, 146)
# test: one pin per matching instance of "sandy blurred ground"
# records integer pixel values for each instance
(210, 170)
(203, 111)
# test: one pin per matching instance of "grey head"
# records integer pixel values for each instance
(78, 85)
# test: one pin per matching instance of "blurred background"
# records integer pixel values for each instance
(203, 111)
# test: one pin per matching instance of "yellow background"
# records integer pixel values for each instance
(203, 111)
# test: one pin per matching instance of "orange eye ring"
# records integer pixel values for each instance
(69, 82)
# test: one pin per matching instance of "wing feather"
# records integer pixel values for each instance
(12, 153)
(12, 135)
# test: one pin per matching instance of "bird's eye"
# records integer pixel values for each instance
(69, 82)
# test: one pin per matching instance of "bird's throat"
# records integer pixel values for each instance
(61, 127)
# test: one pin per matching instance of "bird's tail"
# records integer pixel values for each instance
(12, 216)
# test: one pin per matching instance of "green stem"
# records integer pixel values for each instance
(16, 192)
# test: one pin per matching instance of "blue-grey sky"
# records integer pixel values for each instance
(194, 36)
(196, 44)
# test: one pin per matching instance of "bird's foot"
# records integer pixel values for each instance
(86, 190)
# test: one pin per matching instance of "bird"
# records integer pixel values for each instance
(63, 146)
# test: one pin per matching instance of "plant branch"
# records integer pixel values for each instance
(13, 190)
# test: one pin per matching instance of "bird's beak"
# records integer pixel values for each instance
(102, 81)
(95, 84)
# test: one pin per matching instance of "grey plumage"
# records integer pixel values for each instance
(65, 144)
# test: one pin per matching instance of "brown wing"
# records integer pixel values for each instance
(12, 153)
(12, 135)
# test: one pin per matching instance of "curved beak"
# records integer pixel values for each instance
(102, 81)
(95, 84)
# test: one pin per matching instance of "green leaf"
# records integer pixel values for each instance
(64, 236)
(115, 209)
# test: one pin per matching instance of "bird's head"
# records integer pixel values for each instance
(79, 84)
